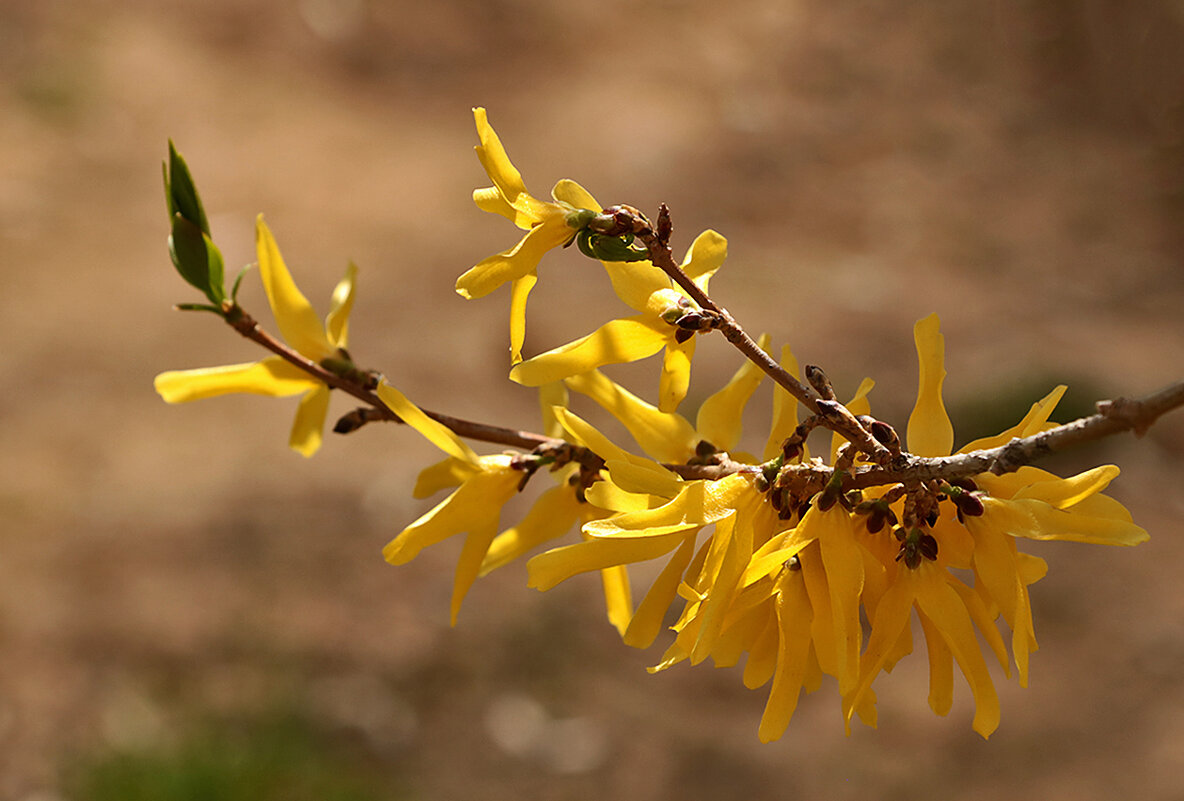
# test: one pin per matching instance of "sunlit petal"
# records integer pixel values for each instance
(930, 432)
(615, 342)
(297, 321)
(719, 420)
(337, 321)
(272, 376)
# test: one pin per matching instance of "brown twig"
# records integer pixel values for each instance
(242, 322)
(619, 220)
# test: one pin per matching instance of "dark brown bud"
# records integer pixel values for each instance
(682, 335)
(885, 435)
(819, 381)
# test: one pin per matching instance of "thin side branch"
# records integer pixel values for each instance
(249, 328)
(1113, 417)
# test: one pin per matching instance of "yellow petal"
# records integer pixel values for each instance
(552, 516)
(451, 472)
(635, 281)
(1038, 521)
(941, 668)
(472, 553)
(618, 600)
(676, 374)
(272, 376)
(550, 396)
(506, 178)
(890, 619)
(519, 292)
(1034, 422)
(471, 507)
(436, 433)
(491, 199)
(308, 427)
(706, 255)
(699, 504)
(794, 619)
(1065, 492)
(522, 259)
(647, 620)
(656, 479)
(785, 408)
(569, 192)
(762, 655)
(615, 342)
(719, 420)
(297, 321)
(559, 564)
(930, 432)
(665, 437)
(948, 615)
(337, 322)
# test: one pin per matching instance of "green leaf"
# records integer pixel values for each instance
(196, 258)
(182, 194)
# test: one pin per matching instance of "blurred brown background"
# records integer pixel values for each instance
(173, 579)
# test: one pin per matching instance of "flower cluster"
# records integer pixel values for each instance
(792, 562)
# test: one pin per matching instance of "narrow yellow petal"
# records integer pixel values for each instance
(1034, 422)
(569, 192)
(785, 408)
(1038, 521)
(472, 553)
(552, 516)
(700, 503)
(636, 281)
(309, 425)
(272, 376)
(930, 432)
(664, 437)
(675, 379)
(492, 155)
(297, 321)
(762, 655)
(647, 620)
(436, 433)
(948, 615)
(941, 668)
(469, 508)
(559, 564)
(337, 322)
(705, 255)
(618, 599)
(491, 199)
(890, 619)
(451, 472)
(794, 621)
(519, 293)
(550, 396)
(1065, 492)
(617, 341)
(719, 419)
(657, 478)
(522, 259)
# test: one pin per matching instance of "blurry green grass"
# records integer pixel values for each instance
(276, 758)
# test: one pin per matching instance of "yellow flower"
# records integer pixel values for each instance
(486, 483)
(546, 225)
(660, 301)
(274, 376)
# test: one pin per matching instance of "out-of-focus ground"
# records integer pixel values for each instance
(1016, 167)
